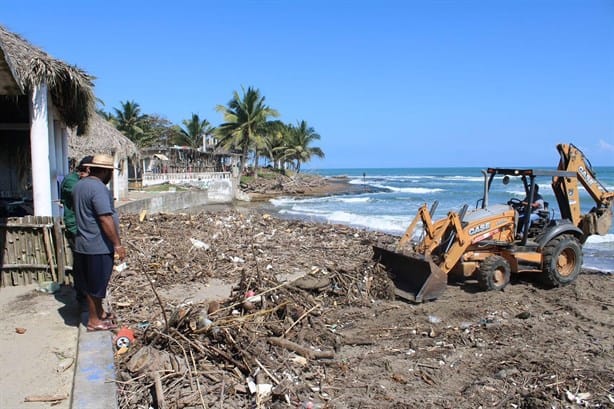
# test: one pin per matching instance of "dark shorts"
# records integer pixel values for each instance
(93, 272)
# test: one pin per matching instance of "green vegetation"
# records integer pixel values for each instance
(297, 147)
(247, 129)
(193, 132)
(264, 173)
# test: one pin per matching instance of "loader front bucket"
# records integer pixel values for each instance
(416, 278)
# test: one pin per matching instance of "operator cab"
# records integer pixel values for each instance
(525, 228)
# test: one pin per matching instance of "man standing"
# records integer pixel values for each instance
(97, 240)
(82, 170)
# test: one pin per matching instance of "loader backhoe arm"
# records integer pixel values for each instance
(599, 219)
(447, 232)
(419, 268)
(423, 215)
(456, 242)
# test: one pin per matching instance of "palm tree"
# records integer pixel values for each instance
(106, 115)
(275, 141)
(297, 147)
(131, 123)
(245, 118)
(193, 132)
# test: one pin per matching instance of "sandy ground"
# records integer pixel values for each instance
(39, 362)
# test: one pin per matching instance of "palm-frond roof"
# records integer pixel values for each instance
(102, 137)
(24, 66)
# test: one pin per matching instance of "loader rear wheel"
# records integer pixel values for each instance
(494, 273)
(562, 260)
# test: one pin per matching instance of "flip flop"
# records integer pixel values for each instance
(105, 326)
(109, 316)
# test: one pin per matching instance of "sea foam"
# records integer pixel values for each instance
(412, 190)
(596, 239)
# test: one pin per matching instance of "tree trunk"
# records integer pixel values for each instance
(256, 164)
(244, 159)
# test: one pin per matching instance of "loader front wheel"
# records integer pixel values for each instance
(562, 260)
(494, 273)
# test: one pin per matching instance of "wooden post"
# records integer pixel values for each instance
(59, 250)
(49, 253)
(159, 391)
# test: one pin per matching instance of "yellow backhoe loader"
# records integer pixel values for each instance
(490, 242)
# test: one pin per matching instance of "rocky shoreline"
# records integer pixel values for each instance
(300, 185)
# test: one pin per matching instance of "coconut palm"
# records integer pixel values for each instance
(130, 122)
(245, 120)
(193, 131)
(297, 147)
(275, 141)
(106, 115)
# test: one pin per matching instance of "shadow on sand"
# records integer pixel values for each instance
(70, 311)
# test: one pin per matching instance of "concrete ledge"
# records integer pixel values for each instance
(93, 387)
(173, 201)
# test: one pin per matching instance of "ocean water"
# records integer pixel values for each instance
(388, 199)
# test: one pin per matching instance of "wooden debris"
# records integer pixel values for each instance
(231, 338)
(212, 346)
(45, 398)
(306, 352)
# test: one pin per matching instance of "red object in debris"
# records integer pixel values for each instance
(250, 293)
(124, 337)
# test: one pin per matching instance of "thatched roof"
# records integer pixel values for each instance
(23, 66)
(102, 137)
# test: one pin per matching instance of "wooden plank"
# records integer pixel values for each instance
(49, 253)
(26, 225)
(25, 266)
(59, 250)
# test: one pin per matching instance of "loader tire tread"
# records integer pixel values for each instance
(562, 261)
(494, 273)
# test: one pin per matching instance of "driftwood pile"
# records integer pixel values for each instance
(270, 341)
(276, 183)
(334, 338)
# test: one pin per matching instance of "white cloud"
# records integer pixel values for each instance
(606, 146)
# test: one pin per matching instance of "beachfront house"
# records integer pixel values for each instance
(41, 98)
(183, 164)
(44, 104)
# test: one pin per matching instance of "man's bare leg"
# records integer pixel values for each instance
(94, 305)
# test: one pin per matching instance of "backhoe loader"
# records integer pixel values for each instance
(491, 241)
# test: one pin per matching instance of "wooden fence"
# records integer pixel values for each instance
(33, 248)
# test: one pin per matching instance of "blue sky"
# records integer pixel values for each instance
(385, 83)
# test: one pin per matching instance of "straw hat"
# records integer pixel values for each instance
(85, 162)
(102, 161)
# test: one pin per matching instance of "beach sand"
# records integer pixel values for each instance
(41, 360)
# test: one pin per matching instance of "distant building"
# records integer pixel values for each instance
(184, 159)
